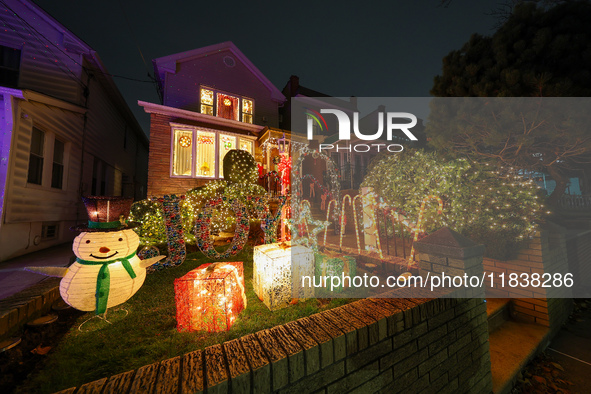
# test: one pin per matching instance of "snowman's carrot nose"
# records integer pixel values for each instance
(104, 250)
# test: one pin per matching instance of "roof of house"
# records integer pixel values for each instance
(166, 64)
(92, 57)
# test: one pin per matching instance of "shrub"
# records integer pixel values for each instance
(497, 208)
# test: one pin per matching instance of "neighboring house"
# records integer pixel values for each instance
(213, 100)
(348, 163)
(65, 132)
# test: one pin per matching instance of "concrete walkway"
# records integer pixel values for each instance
(571, 348)
(13, 278)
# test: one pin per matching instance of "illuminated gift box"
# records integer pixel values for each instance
(275, 265)
(333, 264)
(210, 297)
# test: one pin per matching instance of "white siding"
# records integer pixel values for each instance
(26, 202)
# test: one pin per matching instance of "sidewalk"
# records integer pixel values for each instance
(25, 295)
(13, 278)
(571, 348)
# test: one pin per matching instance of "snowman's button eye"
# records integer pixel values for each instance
(88, 241)
(120, 239)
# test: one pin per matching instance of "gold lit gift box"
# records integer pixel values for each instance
(277, 272)
(210, 297)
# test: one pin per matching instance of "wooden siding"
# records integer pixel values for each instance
(182, 88)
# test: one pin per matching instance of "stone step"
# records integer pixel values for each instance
(512, 346)
(498, 311)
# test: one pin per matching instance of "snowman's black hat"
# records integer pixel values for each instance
(106, 213)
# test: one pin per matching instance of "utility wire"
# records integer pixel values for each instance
(73, 75)
(67, 54)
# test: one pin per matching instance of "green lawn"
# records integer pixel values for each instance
(148, 333)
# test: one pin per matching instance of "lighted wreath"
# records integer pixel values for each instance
(203, 228)
(185, 141)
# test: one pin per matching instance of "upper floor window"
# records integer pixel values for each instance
(200, 152)
(10, 60)
(226, 106)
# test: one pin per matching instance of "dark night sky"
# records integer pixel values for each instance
(341, 48)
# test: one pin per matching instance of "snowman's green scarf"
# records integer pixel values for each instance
(103, 280)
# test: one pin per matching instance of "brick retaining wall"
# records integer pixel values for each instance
(578, 247)
(27, 305)
(546, 253)
(371, 345)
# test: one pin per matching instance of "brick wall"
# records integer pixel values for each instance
(371, 345)
(546, 253)
(159, 180)
(578, 249)
(27, 305)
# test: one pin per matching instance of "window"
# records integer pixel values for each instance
(35, 175)
(10, 60)
(226, 106)
(57, 172)
(200, 152)
(227, 143)
(47, 160)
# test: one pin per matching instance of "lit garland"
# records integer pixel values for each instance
(274, 143)
(269, 223)
(174, 232)
(285, 169)
(297, 177)
(203, 228)
(148, 252)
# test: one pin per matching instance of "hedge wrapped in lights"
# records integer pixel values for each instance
(494, 206)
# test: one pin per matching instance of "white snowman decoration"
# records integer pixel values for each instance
(107, 271)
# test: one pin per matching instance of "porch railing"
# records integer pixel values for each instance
(575, 202)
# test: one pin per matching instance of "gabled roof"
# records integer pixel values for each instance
(81, 47)
(166, 64)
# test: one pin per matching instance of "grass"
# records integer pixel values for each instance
(148, 333)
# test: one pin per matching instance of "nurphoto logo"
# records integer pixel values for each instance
(344, 129)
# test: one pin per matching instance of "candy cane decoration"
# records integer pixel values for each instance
(372, 206)
(359, 196)
(327, 214)
(343, 224)
(419, 225)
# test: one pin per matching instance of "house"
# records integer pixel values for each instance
(213, 99)
(66, 131)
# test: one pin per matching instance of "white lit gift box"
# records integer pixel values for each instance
(210, 297)
(277, 272)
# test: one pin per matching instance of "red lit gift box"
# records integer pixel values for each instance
(210, 297)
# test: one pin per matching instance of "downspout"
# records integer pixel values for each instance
(9, 97)
(86, 93)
